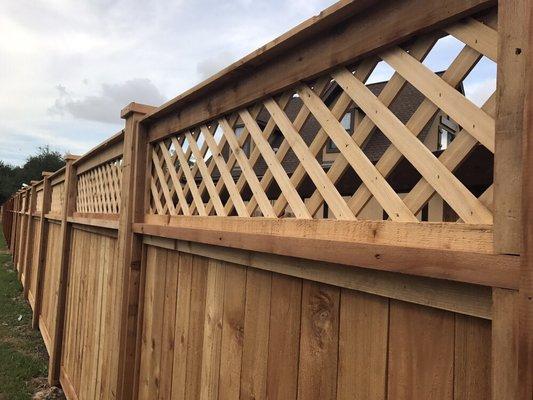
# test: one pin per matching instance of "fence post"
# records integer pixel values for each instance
(20, 232)
(69, 202)
(130, 245)
(30, 226)
(513, 26)
(512, 32)
(20, 240)
(41, 249)
(13, 227)
(525, 318)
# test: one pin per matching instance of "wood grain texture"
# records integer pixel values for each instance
(472, 366)
(196, 328)
(470, 267)
(319, 342)
(181, 336)
(525, 335)
(505, 344)
(214, 311)
(284, 337)
(363, 345)
(232, 332)
(512, 26)
(256, 328)
(421, 353)
(169, 325)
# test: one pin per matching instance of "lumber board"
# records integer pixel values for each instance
(255, 340)
(196, 326)
(363, 345)
(472, 364)
(319, 342)
(232, 332)
(212, 345)
(284, 337)
(108, 223)
(438, 235)
(419, 336)
(510, 94)
(465, 266)
(505, 344)
(181, 336)
(525, 335)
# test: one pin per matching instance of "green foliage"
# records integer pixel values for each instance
(13, 177)
(22, 353)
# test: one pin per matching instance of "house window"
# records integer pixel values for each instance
(275, 140)
(446, 136)
(347, 123)
(239, 129)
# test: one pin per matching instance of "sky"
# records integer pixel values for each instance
(67, 67)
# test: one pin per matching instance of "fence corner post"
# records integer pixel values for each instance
(69, 202)
(130, 245)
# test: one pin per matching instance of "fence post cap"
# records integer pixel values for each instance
(136, 108)
(34, 182)
(46, 173)
(71, 157)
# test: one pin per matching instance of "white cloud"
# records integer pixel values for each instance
(213, 64)
(106, 106)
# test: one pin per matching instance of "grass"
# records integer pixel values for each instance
(23, 357)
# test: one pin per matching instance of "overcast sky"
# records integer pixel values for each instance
(67, 67)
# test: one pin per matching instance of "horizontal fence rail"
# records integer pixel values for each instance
(331, 217)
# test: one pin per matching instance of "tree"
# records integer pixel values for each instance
(13, 177)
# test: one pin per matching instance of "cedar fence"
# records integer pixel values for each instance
(184, 258)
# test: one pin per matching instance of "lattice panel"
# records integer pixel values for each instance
(57, 198)
(269, 159)
(99, 189)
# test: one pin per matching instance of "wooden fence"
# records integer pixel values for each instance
(208, 251)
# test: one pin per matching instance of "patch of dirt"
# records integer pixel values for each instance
(45, 392)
